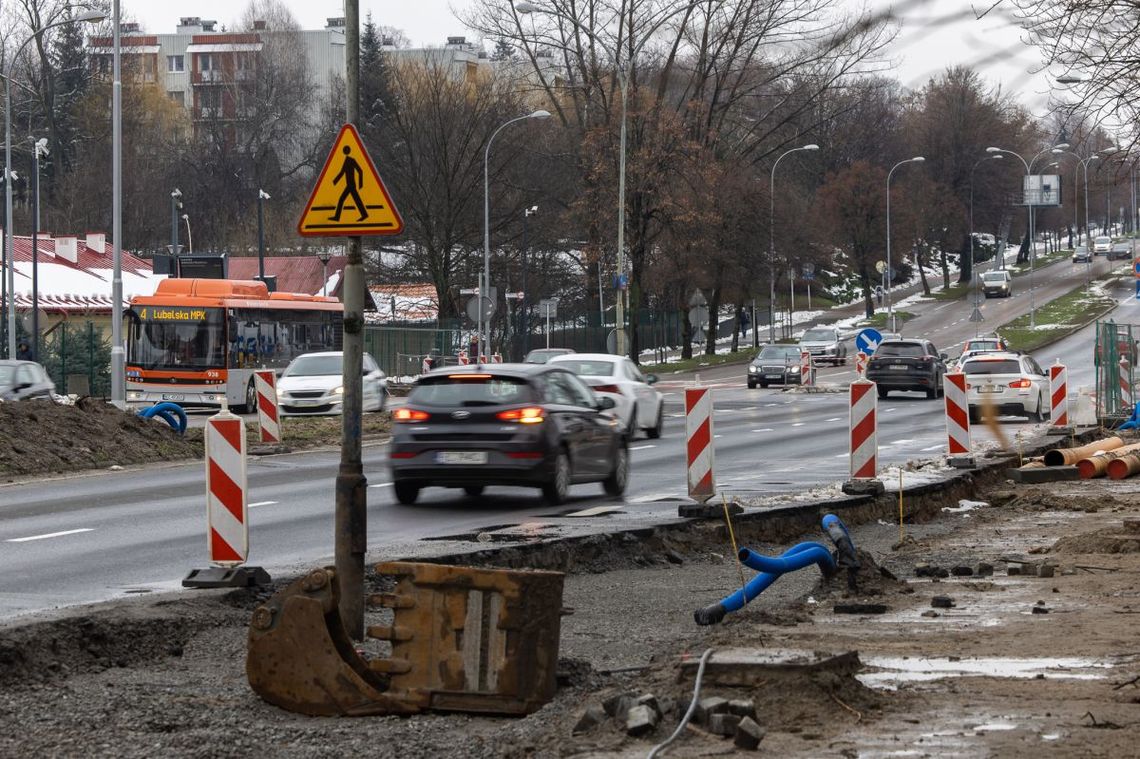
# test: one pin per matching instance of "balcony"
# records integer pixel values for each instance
(207, 77)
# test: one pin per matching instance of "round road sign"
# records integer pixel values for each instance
(868, 340)
(473, 309)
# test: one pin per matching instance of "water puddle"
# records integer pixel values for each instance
(894, 671)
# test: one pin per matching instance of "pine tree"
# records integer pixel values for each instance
(72, 81)
(504, 51)
(375, 93)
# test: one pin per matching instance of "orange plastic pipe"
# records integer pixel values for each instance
(1066, 456)
(1097, 464)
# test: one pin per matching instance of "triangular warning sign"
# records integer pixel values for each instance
(349, 197)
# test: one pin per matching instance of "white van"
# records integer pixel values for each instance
(997, 284)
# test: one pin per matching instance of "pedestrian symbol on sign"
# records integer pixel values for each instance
(353, 178)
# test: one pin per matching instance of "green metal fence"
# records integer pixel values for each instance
(1115, 357)
(78, 359)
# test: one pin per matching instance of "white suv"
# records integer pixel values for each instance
(1102, 246)
(1012, 383)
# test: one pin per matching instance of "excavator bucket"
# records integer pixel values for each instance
(463, 639)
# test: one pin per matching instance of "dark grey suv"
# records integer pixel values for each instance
(907, 365)
(533, 425)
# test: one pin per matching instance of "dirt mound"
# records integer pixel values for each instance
(1063, 499)
(870, 580)
(39, 437)
(1108, 540)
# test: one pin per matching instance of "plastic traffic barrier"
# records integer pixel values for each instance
(957, 414)
(807, 372)
(227, 528)
(864, 448)
(268, 420)
(699, 443)
(861, 364)
(1059, 394)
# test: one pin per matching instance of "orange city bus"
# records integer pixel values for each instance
(196, 341)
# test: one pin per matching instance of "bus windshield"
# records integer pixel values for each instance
(177, 337)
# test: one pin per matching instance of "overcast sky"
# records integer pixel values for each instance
(928, 43)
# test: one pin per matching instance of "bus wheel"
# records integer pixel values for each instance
(250, 405)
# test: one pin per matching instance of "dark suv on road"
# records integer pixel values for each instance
(907, 365)
(533, 425)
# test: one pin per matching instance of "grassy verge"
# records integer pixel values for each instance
(1043, 260)
(697, 362)
(879, 320)
(1056, 319)
(954, 292)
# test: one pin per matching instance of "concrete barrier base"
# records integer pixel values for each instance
(864, 487)
(1037, 475)
(707, 510)
(962, 462)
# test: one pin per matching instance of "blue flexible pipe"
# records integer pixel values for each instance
(771, 568)
(171, 413)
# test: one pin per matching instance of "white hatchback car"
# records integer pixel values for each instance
(313, 384)
(638, 404)
(1013, 383)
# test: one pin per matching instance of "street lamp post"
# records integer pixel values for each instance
(772, 244)
(175, 205)
(324, 257)
(524, 315)
(262, 196)
(974, 276)
(39, 148)
(484, 325)
(8, 246)
(189, 237)
(1029, 205)
(890, 304)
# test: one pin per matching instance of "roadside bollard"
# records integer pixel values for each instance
(699, 443)
(807, 373)
(957, 420)
(861, 364)
(1059, 398)
(268, 420)
(227, 514)
(864, 446)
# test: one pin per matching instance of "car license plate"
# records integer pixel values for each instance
(306, 402)
(173, 397)
(461, 457)
(989, 388)
(899, 367)
(773, 376)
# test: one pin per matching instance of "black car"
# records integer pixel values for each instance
(775, 363)
(910, 364)
(532, 425)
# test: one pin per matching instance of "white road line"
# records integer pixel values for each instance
(766, 429)
(716, 436)
(798, 424)
(382, 485)
(50, 535)
(901, 442)
(932, 448)
(833, 419)
(262, 503)
(642, 447)
(843, 455)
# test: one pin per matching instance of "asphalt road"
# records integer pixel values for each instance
(92, 537)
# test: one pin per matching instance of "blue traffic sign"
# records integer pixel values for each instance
(868, 340)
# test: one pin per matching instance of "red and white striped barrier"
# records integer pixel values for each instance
(957, 414)
(496, 358)
(807, 377)
(265, 382)
(861, 364)
(864, 430)
(463, 359)
(1059, 394)
(227, 526)
(699, 442)
(1125, 385)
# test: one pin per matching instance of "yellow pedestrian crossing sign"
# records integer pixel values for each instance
(349, 197)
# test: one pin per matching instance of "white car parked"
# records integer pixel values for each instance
(313, 384)
(637, 404)
(1013, 383)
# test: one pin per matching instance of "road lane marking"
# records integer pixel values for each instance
(932, 448)
(642, 447)
(833, 419)
(45, 536)
(382, 485)
(766, 429)
(798, 424)
(843, 455)
(262, 503)
(901, 442)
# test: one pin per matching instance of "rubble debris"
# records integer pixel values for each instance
(594, 715)
(749, 734)
(962, 571)
(640, 720)
(724, 724)
(861, 608)
(942, 602)
(709, 706)
(984, 569)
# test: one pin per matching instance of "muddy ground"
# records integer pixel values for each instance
(1019, 665)
(43, 437)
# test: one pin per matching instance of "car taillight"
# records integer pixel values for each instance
(606, 389)
(525, 415)
(405, 415)
(1020, 384)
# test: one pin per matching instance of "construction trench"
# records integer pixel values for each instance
(997, 619)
